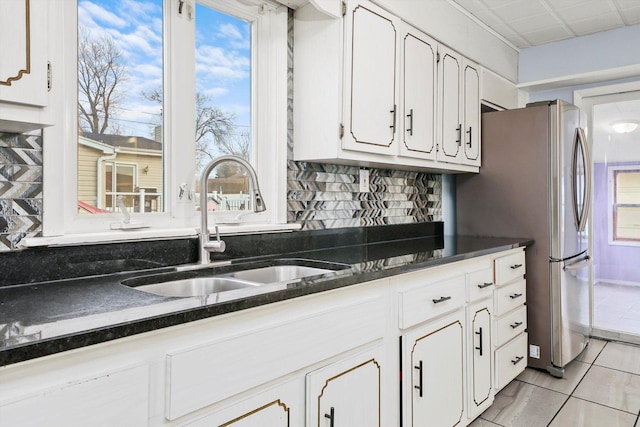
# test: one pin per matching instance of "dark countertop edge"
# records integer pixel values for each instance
(46, 347)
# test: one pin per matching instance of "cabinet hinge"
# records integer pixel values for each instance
(49, 76)
(344, 8)
(341, 130)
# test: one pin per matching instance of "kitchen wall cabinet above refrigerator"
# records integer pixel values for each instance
(24, 67)
(367, 91)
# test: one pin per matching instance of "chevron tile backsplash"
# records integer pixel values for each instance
(20, 188)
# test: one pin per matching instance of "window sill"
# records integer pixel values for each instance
(150, 234)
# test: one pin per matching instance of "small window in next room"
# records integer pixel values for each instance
(626, 204)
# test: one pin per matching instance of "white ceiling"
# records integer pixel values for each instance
(527, 23)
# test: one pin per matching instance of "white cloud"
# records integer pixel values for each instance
(216, 62)
(89, 12)
(215, 92)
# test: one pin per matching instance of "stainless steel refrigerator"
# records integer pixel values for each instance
(535, 182)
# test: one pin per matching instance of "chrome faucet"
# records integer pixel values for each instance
(206, 245)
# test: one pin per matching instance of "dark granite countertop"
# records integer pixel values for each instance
(50, 317)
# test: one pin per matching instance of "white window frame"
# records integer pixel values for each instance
(62, 224)
(611, 174)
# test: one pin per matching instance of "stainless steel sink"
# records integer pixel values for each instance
(215, 280)
(196, 286)
(278, 273)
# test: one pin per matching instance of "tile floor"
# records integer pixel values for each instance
(616, 307)
(601, 388)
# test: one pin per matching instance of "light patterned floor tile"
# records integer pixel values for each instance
(591, 352)
(573, 373)
(623, 357)
(609, 387)
(580, 413)
(479, 422)
(524, 405)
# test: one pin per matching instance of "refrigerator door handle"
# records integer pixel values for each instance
(585, 262)
(581, 213)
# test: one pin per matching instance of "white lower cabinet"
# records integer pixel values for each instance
(434, 365)
(480, 395)
(114, 398)
(279, 406)
(348, 392)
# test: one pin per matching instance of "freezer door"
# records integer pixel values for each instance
(570, 306)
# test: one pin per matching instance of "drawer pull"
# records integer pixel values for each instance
(518, 359)
(480, 336)
(331, 416)
(515, 325)
(419, 386)
(441, 299)
(514, 296)
(516, 266)
(485, 285)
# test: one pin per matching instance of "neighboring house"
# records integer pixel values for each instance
(115, 165)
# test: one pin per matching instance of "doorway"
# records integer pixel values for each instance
(615, 221)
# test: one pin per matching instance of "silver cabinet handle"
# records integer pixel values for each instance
(485, 285)
(419, 386)
(459, 130)
(515, 325)
(516, 266)
(441, 299)
(514, 296)
(479, 333)
(517, 360)
(470, 137)
(410, 115)
(393, 125)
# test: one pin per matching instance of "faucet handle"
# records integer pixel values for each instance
(217, 245)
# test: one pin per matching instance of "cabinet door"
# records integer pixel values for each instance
(346, 393)
(419, 94)
(23, 42)
(450, 135)
(435, 372)
(480, 350)
(471, 115)
(281, 405)
(371, 102)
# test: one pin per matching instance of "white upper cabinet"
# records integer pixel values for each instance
(471, 139)
(369, 90)
(371, 101)
(24, 68)
(419, 95)
(460, 109)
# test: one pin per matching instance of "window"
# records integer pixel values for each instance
(164, 86)
(626, 204)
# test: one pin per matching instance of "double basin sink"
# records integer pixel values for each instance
(207, 280)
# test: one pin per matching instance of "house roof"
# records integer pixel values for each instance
(125, 141)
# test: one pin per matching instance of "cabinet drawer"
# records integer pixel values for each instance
(510, 325)
(429, 301)
(480, 285)
(510, 359)
(509, 297)
(509, 267)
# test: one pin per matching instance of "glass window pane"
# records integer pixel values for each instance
(628, 223)
(628, 187)
(120, 94)
(223, 104)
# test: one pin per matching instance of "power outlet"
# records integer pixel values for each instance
(364, 180)
(534, 351)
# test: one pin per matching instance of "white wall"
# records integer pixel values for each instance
(587, 54)
(556, 70)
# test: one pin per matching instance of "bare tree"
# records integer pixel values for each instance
(100, 72)
(214, 128)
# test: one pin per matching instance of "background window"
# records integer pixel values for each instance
(626, 205)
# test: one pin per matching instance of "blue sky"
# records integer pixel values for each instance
(222, 57)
